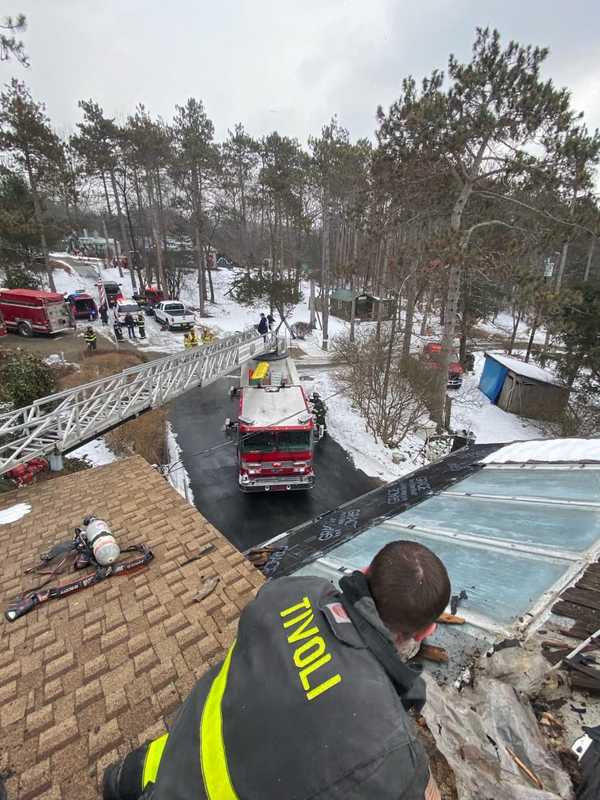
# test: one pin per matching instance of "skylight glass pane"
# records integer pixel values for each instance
(560, 527)
(500, 585)
(582, 485)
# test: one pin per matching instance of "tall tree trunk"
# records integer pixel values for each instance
(515, 328)
(200, 268)
(39, 220)
(210, 281)
(158, 244)
(590, 256)
(140, 207)
(106, 239)
(353, 287)
(126, 247)
(408, 322)
(325, 272)
(426, 313)
(452, 299)
(532, 333)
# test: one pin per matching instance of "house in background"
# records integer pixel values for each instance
(366, 306)
(523, 389)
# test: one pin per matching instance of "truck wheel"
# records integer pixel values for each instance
(24, 329)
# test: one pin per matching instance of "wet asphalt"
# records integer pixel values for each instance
(249, 519)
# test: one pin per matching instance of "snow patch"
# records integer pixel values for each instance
(177, 475)
(550, 451)
(14, 513)
(95, 452)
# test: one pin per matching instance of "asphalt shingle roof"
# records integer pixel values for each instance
(87, 678)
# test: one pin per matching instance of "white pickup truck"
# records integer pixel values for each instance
(173, 315)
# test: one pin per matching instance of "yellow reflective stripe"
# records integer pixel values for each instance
(213, 759)
(152, 760)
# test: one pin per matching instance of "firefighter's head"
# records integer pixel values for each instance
(410, 587)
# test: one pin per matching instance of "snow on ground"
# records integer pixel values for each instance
(557, 450)
(95, 452)
(473, 411)
(346, 425)
(177, 476)
(14, 513)
(503, 324)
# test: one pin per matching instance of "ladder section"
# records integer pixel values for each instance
(61, 422)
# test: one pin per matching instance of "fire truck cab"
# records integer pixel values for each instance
(276, 429)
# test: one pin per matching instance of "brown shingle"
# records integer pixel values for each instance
(86, 678)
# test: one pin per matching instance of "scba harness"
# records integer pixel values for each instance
(93, 545)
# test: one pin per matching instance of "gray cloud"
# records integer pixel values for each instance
(284, 65)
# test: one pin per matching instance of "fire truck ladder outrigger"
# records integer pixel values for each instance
(64, 421)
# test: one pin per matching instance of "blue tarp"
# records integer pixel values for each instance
(492, 378)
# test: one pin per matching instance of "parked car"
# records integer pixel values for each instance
(149, 297)
(432, 357)
(125, 307)
(113, 292)
(29, 311)
(82, 305)
(174, 315)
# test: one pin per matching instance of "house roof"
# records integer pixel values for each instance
(342, 294)
(85, 679)
(512, 538)
(525, 369)
(547, 451)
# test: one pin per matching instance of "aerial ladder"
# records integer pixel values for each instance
(57, 424)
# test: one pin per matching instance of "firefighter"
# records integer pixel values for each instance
(311, 699)
(208, 336)
(90, 338)
(141, 323)
(263, 326)
(190, 340)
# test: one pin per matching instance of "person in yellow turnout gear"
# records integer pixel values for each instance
(190, 340)
(311, 700)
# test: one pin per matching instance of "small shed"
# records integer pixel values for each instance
(522, 388)
(367, 306)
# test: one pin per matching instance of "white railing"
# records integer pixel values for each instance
(63, 421)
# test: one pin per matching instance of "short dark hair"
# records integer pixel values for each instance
(410, 586)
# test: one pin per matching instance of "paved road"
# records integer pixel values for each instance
(248, 519)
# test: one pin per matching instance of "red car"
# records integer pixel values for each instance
(431, 357)
(29, 311)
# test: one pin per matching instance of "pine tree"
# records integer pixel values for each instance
(26, 135)
(195, 158)
(10, 46)
(486, 126)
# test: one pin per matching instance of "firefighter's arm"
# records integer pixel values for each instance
(129, 779)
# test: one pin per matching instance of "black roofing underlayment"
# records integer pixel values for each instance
(309, 541)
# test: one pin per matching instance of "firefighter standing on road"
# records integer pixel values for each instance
(312, 698)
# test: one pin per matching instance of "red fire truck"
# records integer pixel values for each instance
(29, 311)
(276, 429)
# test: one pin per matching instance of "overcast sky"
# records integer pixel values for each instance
(280, 64)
